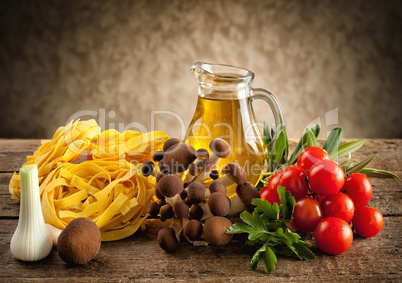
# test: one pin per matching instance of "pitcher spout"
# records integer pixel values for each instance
(222, 76)
(197, 67)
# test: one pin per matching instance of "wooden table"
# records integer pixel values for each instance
(139, 258)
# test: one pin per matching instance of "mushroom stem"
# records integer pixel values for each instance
(225, 180)
(155, 172)
(177, 226)
(188, 178)
(172, 200)
(193, 171)
(54, 233)
(207, 212)
(214, 158)
(237, 205)
(200, 178)
(206, 167)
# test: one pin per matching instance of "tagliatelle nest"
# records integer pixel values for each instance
(108, 188)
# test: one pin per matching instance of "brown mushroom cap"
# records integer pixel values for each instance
(196, 192)
(193, 169)
(154, 209)
(167, 239)
(166, 212)
(162, 202)
(235, 172)
(162, 168)
(160, 176)
(158, 156)
(158, 194)
(178, 157)
(214, 174)
(79, 242)
(220, 147)
(147, 168)
(196, 212)
(246, 193)
(217, 187)
(202, 153)
(183, 194)
(169, 185)
(218, 204)
(181, 209)
(193, 230)
(170, 142)
(215, 230)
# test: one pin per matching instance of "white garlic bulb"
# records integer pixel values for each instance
(31, 240)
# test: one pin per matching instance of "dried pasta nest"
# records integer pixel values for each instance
(107, 188)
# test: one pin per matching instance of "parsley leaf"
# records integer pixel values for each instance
(267, 226)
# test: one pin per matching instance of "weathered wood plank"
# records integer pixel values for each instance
(12, 145)
(12, 161)
(140, 258)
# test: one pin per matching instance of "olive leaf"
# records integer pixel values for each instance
(266, 136)
(346, 148)
(356, 168)
(311, 139)
(279, 147)
(376, 173)
(301, 145)
(333, 140)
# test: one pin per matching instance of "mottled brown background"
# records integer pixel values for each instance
(123, 59)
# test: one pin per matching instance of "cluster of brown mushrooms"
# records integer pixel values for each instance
(192, 193)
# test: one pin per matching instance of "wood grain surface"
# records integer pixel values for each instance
(139, 257)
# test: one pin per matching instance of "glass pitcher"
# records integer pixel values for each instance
(224, 110)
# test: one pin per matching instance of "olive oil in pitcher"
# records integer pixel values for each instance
(224, 110)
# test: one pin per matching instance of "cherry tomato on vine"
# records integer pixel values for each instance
(306, 214)
(294, 180)
(338, 205)
(367, 221)
(358, 188)
(269, 192)
(333, 235)
(326, 177)
(311, 155)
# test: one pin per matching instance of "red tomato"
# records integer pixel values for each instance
(338, 205)
(358, 188)
(311, 155)
(294, 180)
(367, 221)
(333, 235)
(306, 214)
(321, 199)
(326, 177)
(269, 192)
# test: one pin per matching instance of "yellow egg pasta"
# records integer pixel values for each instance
(107, 188)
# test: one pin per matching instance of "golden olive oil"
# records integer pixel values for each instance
(231, 120)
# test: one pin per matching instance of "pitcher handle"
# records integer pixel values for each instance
(272, 100)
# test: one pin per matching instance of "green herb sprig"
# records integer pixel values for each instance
(267, 226)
